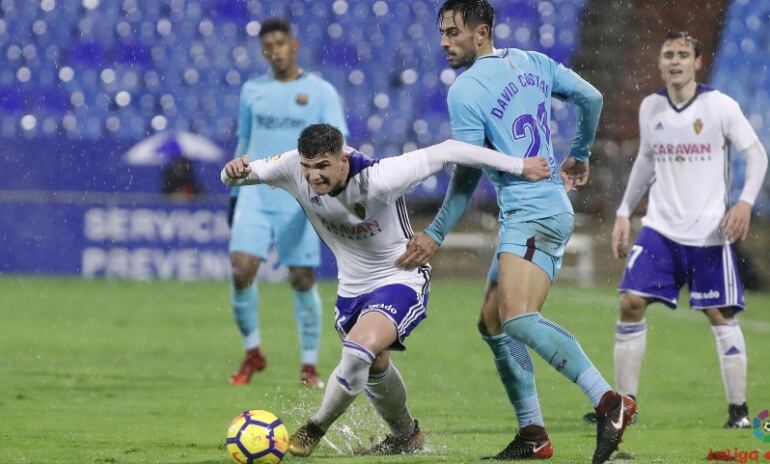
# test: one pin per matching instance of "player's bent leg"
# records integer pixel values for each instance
(523, 287)
(731, 349)
(386, 391)
(371, 334)
(245, 302)
(308, 314)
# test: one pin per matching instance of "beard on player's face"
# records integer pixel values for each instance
(457, 41)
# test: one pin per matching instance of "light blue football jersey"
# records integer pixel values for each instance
(504, 101)
(272, 114)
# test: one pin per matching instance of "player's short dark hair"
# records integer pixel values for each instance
(275, 25)
(318, 140)
(674, 35)
(473, 12)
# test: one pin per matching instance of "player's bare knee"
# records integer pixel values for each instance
(632, 307)
(301, 278)
(381, 363)
(489, 325)
(719, 316)
(244, 270)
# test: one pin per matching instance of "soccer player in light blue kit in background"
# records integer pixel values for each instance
(503, 100)
(273, 110)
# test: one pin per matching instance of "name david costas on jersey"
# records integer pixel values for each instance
(511, 89)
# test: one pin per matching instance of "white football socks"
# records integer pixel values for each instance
(387, 393)
(345, 383)
(731, 349)
(630, 345)
(251, 340)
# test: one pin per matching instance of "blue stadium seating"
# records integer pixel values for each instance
(742, 70)
(120, 70)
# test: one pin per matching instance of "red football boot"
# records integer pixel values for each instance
(253, 362)
(309, 376)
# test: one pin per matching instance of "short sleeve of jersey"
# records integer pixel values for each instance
(564, 79)
(331, 112)
(465, 114)
(279, 170)
(244, 115)
(737, 128)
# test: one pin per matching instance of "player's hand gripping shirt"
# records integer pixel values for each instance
(689, 149)
(271, 115)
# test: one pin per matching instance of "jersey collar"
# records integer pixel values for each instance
(496, 53)
(700, 89)
(358, 162)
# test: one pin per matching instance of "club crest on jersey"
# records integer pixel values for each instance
(659, 126)
(698, 126)
(360, 211)
(302, 99)
(315, 200)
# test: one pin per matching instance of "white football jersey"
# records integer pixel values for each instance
(690, 148)
(366, 225)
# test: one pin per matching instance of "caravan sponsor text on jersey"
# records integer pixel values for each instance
(359, 231)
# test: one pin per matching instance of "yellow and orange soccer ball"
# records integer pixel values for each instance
(257, 437)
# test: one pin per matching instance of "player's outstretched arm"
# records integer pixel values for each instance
(738, 219)
(467, 154)
(393, 176)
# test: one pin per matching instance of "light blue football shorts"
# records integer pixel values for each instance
(540, 241)
(255, 230)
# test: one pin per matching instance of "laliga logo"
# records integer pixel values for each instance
(761, 425)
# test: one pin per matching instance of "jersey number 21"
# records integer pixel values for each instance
(526, 122)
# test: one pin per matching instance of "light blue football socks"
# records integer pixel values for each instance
(560, 349)
(246, 311)
(307, 311)
(514, 365)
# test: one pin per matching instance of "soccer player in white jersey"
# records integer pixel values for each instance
(687, 132)
(356, 205)
(273, 109)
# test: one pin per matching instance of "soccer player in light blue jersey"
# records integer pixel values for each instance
(503, 100)
(273, 110)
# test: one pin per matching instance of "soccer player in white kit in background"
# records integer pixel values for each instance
(356, 205)
(687, 131)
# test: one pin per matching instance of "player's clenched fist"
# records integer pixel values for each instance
(535, 168)
(238, 168)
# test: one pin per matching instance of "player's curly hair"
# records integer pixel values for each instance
(319, 139)
(473, 12)
(673, 35)
(275, 25)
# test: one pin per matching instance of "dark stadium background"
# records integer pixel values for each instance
(82, 82)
